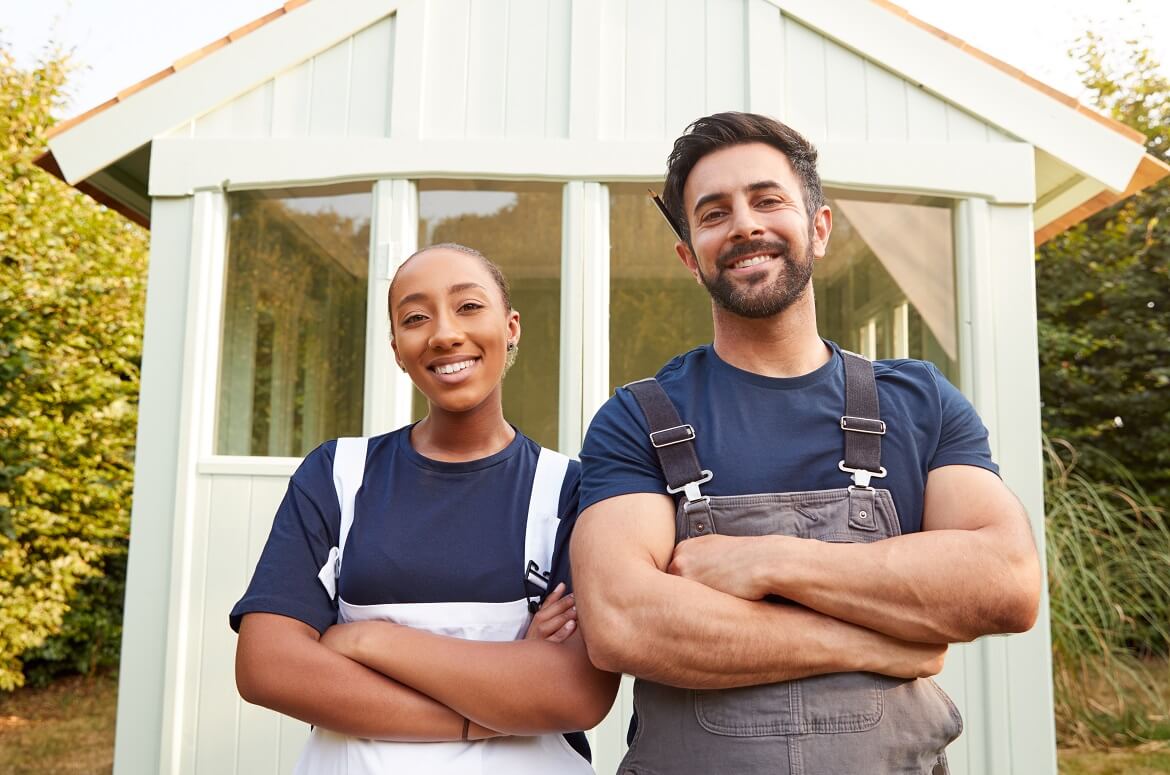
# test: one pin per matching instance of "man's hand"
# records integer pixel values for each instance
(557, 618)
(730, 564)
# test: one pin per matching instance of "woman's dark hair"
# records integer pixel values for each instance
(488, 264)
(722, 130)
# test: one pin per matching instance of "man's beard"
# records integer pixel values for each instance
(750, 300)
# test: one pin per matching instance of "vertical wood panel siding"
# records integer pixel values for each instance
(224, 734)
(342, 92)
(494, 68)
(503, 68)
(224, 518)
(686, 59)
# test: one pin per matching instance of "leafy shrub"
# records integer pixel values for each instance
(72, 276)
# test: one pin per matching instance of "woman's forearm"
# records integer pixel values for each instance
(518, 687)
(332, 691)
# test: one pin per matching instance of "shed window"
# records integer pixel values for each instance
(656, 309)
(886, 289)
(518, 226)
(294, 327)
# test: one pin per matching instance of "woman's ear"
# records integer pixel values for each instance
(513, 327)
(397, 359)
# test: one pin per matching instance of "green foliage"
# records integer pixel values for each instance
(71, 296)
(1108, 550)
(1103, 292)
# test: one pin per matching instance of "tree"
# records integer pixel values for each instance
(1103, 291)
(71, 302)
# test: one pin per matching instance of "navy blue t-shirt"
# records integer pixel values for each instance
(424, 531)
(762, 434)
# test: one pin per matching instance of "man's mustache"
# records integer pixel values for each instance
(778, 247)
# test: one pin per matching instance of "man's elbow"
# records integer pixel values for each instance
(610, 638)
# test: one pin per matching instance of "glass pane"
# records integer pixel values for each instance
(886, 289)
(292, 368)
(518, 226)
(656, 310)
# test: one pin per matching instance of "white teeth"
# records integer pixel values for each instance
(451, 368)
(751, 261)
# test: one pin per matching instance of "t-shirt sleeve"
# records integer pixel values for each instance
(962, 436)
(616, 457)
(561, 569)
(305, 528)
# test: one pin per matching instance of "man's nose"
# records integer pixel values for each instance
(745, 224)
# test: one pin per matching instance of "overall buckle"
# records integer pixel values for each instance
(861, 476)
(691, 489)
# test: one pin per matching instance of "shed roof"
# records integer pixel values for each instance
(1147, 171)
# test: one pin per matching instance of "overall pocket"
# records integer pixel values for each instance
(838, 702)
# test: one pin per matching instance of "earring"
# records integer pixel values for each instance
(511, 346)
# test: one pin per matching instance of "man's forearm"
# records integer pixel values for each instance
(517, 687)
(675, 631)
(942, 586)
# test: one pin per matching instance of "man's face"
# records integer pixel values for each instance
(753, 242)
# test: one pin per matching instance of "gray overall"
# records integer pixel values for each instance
(842, 723)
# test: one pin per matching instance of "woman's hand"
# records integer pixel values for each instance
(557, 618)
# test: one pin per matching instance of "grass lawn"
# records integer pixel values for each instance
(65, 728)
(68, 728)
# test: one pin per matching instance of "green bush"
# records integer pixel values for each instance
(1108, 549)
(72, 277)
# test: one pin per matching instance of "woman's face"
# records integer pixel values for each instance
(451, 329)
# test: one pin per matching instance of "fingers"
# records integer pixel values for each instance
(563, 634)
(552, 597)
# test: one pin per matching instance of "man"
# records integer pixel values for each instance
(830, 525)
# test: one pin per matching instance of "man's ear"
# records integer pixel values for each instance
(688, 259)
(822, 227)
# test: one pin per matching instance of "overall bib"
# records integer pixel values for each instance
(328, 753)
(841, 723)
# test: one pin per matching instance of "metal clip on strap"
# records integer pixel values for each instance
(691, 489)
(676, 435)
(863, 425)
(861, 476)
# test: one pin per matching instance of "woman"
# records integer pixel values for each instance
(437, 541)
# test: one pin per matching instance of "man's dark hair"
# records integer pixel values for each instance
(722, 130)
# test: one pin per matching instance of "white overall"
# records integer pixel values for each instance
(328, 753)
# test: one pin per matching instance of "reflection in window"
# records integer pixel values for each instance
(886, 289)
(656, 310)
(294, 328)
(518, 226)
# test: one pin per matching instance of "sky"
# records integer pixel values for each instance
(116, 43)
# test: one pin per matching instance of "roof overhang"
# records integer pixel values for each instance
(1085, 161)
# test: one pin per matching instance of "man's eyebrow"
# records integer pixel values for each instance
(456, 288)
(759, 185)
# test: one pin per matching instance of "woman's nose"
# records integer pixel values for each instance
(447, 332)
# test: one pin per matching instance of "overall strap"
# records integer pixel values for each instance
(673, 441)
(540, 532)
(861, 422)
(349, 468)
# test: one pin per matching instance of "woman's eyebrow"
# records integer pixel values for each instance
(461, 287)
(454, 289)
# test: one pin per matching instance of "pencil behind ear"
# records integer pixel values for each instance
(666, 214)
